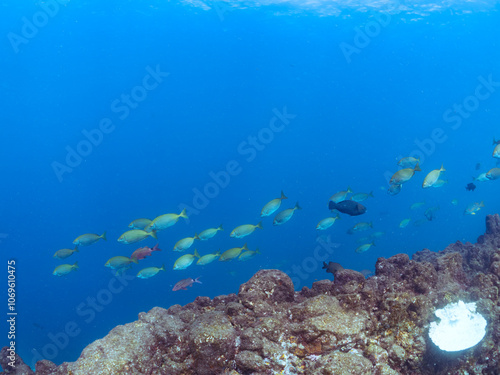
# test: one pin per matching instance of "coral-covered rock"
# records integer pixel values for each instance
(351, 325)
(9, 358)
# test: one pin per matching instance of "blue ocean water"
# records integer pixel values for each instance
(122, 110)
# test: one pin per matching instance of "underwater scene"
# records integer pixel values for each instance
(163, 160)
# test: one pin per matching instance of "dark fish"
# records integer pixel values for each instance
(332, 267)
(430, 213)
(478, 166)
(470, 186)
(495, 142)
(348, 207)
(185, 283)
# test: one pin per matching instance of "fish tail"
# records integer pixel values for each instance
(244, 247)
(76, 249)
(297, 207)
(134, 260)
(196, 253)
(442, 168)
(197, 281)
(103, 236)
(183, 214)
(371, 194)
(162, 268)
(259, 225)
(349, 189)
(338, 216)
(75, 266)
(257, 251)
(417, 168)
(283, 196)
(156, 248)
(373, 243)
(217, 254)
(153, 234)
(220, 227)
(196, 237)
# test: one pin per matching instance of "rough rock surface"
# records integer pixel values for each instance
(351, 325)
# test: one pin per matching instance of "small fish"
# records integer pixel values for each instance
(419, 222)
(416, 205)
(348, 207)
(360, 197)
(403, 175)
(119, 262)
(148, 272)
(271, 207)
(165, 221)
(88, 239)
(244, 230)
(64, 269)
(332, 267)
(473, 208)
(360, 227)
(186, 260)
(285, 215)
(249, 254)
(340, 196)
(139, 224)
(496, 151)
(470, 187)
(363, 248)
(209, 258)
(432, 177)
(408, 162)
(404, 223)
(377, 234)
(454, 202)
(439, 183)
(144, 252)
(232, 253)
(185, 243)
(493, 174)
(209, 233)
(430, 213)
(136, 235)
(64, 253)
(185, 283)
(327, 223)
(394, 189)
(481, 178)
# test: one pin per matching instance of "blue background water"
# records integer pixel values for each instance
(230, 72)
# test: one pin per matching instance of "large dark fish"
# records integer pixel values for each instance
(332, 267)
(348, 207)
(470, 187)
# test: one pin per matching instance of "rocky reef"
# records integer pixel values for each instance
(351, 325)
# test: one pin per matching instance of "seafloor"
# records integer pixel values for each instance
(351, 325)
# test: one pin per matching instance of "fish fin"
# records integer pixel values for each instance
(442, 168)
(197, 281)
(196, 237)
(259, 225)
(370, 194)
(196, 253)
(156, 248)
(162, 268)
(153, 234)
(257, 251)
(183, 214)
(220, 227)
(75, 266)
(103, 236)
(373, 243)
(349, 189)
(338, 216)
(245, 247)
(76, 249)
(283, 196)
(217, 254)
(297, 207)
(134, 260)
(417, 167)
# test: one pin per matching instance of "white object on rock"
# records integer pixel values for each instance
(460, 327)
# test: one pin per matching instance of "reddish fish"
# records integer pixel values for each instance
(144, 252)
(185, 283)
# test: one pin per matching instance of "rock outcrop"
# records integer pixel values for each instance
(351, 325)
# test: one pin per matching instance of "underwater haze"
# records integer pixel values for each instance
(114, 111)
